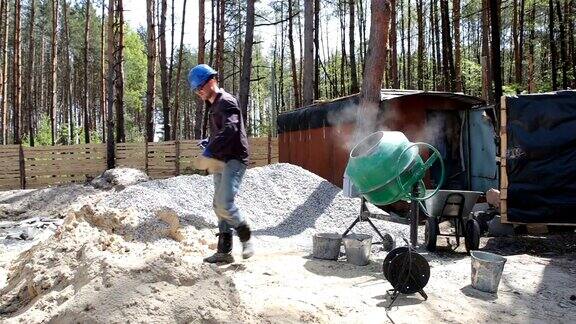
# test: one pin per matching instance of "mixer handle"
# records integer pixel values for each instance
(417, 176)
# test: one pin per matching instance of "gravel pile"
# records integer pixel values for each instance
(280, 201)
(119, 177)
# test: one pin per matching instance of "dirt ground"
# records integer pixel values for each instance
(287, 285)
(87, 268)
(292, 286)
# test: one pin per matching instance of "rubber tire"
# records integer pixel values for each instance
(472, 239)
(388, 244)
(431, 233)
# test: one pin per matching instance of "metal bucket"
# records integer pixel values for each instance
(326, 246)
(486, 270)
(357, 247)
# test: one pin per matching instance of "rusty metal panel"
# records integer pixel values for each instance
(342, 145)
(320, 152)
(284, 147)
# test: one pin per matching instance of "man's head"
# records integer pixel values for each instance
(202, 79)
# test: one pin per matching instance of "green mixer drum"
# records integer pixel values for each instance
(377, 161)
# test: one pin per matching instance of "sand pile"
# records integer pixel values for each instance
(135, 253)
(92, 270)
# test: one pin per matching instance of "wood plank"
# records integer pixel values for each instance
(38, 173)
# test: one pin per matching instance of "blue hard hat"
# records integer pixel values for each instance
(199, 75)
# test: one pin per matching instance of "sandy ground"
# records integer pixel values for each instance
(90, 269)
(296, 287)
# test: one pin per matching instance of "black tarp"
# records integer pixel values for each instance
(541, 158)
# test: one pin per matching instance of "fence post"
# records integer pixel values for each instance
(269, 148)
(146, 157)
(177, 144)
(22, 168)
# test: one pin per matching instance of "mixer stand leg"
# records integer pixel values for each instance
(363, 217)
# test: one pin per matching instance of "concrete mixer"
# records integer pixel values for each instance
(385, 167)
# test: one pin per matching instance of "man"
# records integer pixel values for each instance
(227, 143)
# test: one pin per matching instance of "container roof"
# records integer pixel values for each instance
(343, 110)
(387, 94)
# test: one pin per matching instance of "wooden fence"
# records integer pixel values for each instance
(35, 167)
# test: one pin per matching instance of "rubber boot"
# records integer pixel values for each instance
(224, 251)
(245, 234)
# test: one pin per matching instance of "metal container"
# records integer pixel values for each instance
(378, 164)
(326, 246)
(357, 248)
(435, 203)
(486, 270)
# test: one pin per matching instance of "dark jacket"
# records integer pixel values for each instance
(228, 139)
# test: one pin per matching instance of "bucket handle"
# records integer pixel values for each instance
(418, 175)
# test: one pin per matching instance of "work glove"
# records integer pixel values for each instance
(203, 143)
(207, 153)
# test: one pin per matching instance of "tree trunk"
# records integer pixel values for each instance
(457, 46)
(220, 45)
(308, 73)
(85, 93)
(110, 145)
(176, 119)
(102, 78)
(517, 36)
(486, 57)
(150, 91)
(119, 78)
(532, 41)
(68, 84)
(432, 44)
(571, 39)
(447, 58)
(402, 38)
(342, 15)
(408, 58)
(164, 69)
(201, 57)
(354, 74)
(316, 51)
(496, 61)
(437, 46)
(301, 47)
(282, 47)
(247, 60)
(212, 35)
(376, 60)
(17, 77)
(393, 47)
(563, 46)
(4, 78)
(171, 64)
(293, 57)
(30, 79)
(420, 68)
(553, 54)
(54, 47)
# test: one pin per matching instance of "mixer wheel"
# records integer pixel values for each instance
(430, 233)
(472, 239)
